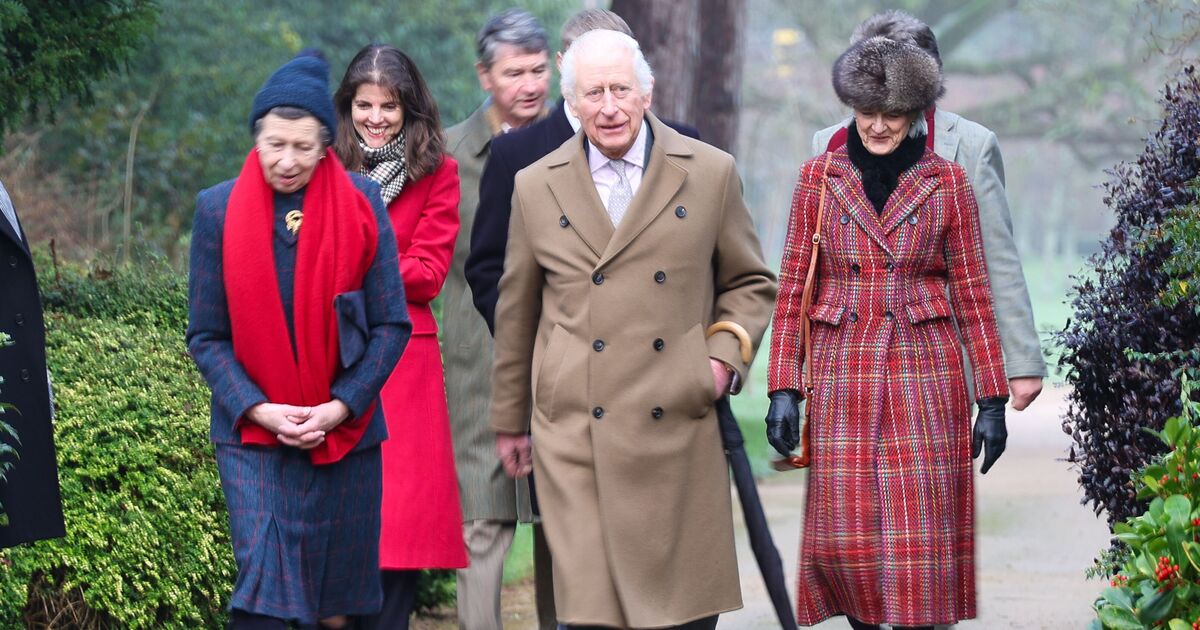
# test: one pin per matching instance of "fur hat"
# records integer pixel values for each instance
(882, 75)
(900, 27)
(303, 83)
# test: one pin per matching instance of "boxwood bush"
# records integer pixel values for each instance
(147, 542)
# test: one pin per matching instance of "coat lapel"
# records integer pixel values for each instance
(945, 136)
(6, 228)
(912, 190)
(845, 182)
(571, 182)
(660, 181)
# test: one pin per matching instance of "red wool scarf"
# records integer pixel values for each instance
(336, 246)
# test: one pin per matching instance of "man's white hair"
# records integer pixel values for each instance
(604, 40)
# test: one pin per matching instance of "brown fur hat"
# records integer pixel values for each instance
(882, 75)
(898, 26)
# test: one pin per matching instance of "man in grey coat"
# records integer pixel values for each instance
(975, 148)
(513, 66)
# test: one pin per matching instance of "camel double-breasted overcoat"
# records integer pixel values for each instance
(601, 332)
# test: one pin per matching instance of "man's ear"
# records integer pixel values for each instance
(650, 94)
(558, 61)
(485, 79)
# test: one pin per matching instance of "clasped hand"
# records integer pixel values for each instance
(300, 427)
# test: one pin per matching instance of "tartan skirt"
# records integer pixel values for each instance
(305, 538)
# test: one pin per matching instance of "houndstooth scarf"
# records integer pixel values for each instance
(386, 166)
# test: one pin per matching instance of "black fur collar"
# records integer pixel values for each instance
(880, 173)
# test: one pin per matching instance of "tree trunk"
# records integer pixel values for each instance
(717, 97)
(668, 31)
(696, 49)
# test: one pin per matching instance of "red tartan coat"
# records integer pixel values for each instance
(889, 523)
(422, 517)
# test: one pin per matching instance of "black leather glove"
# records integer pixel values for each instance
(989, 431)
(783, 421)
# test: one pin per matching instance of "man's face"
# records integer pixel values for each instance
(518, 82)
(607, 100)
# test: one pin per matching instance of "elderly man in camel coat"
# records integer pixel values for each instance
(626, 244)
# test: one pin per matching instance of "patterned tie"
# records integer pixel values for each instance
(621, 195)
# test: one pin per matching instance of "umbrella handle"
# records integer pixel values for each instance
(743, 337)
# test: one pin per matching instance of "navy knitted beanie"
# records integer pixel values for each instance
(302, 82)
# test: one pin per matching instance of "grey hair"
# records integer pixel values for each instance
(515, 27)
(900, 27)
(287, 112)
(919, 127)
(597, 39)
(591, 20)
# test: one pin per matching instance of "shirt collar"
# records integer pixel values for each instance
(636, 155)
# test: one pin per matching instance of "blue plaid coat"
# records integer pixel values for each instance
(305, 538)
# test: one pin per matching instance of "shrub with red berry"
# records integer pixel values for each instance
(1158, 582)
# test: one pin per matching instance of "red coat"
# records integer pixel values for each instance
(889, 522)
(422, 518)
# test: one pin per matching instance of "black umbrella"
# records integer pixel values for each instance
(756, 520)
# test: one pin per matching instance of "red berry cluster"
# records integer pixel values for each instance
(1121, 580)
(1167, 574)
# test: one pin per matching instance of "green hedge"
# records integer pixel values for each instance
(147, 542)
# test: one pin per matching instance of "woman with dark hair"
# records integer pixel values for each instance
(888, 523)
(390, 131)
(296, 317)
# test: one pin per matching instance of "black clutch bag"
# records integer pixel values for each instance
(350, 308)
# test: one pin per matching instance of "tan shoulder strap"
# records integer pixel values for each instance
(807, 296)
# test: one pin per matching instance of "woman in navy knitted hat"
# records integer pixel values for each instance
(297, 316)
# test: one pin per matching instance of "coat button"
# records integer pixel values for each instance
(597, 278)
(890, 267)
(598, 412)
(912, 219)
(852, 316)
(12, 262)
(656, 413)
(845, 218)
(20, 319)
(25, 375)
(598, 345)
(660, 277)
(680, 211)
(888, 315)
(659, 344)
(855, 268)
(564, 221)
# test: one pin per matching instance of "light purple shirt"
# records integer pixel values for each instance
(605, 177)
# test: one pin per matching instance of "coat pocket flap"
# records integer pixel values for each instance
(351, 312)
(934, 308)
(828, 313)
